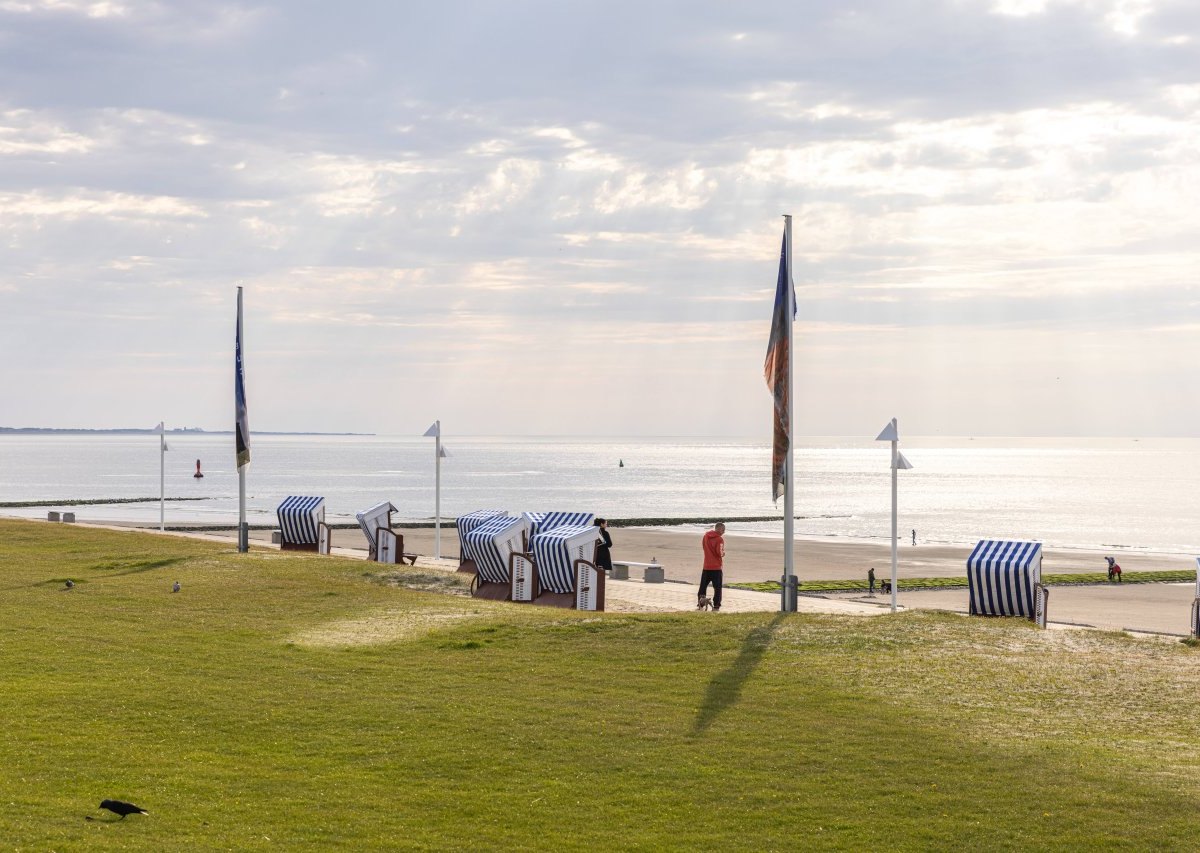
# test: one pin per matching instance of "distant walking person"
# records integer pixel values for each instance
(603, 554)
(871, 580)
(914, 536)
(713, 544)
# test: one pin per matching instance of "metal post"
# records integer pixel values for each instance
(787, 599)
(243, 527)
(895, 465)
(891, 433)
(162, 479)
(437, 491)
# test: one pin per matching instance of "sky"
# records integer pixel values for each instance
(534, 217)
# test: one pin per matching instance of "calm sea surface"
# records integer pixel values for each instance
(1139, 495)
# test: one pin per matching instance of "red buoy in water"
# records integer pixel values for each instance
(197, 475)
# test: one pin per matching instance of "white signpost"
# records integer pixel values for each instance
(899, 463)
(439, 453)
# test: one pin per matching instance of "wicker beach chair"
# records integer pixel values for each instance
(1005, 579)
(564, 561)
(465, 524)
(490, 546)
(302, 524)
(385, 545)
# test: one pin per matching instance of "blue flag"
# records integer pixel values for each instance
(775, 370)
(241, 416)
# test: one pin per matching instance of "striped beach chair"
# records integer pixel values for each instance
(1004, 578)
(302, 524)
(384, 544)
(491, 545)
(539, 521)
(565, 562)
(467, 523)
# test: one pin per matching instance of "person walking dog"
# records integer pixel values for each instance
(713, 545)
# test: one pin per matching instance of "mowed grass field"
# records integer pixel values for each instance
(294, 702)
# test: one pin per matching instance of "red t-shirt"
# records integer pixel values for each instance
(714, 550)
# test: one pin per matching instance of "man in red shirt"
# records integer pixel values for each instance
(713, 544)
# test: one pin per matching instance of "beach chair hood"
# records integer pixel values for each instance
(490, 543)
(370, 520)
(555, 552)
(539, 521)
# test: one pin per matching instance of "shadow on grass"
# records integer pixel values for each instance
(123, 569)
(137, 568)
(726, 686)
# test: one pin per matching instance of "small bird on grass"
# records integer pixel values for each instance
(70, 584)
(122, 808)
(175, 588)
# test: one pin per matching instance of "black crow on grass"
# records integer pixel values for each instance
(122, 808)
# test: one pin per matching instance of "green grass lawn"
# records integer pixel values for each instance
(292, 702)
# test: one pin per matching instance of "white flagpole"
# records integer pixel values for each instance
(435, 432)
(437, 491)
(788, 603)
(243, 530)
(891, 433)
(162, 477)
(895, 467)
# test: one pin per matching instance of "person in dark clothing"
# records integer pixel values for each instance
(603, 555)
(871, 581)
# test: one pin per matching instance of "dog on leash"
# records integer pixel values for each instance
(704, 603)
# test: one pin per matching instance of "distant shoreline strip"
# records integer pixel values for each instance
(91, 502)
(449, 523)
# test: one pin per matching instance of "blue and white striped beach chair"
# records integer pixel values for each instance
(302, 524)
(539, 521)
(1004, 579)
(565, 558)
(467, 523)
(491, 545)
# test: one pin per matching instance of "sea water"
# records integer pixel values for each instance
(1086, 493)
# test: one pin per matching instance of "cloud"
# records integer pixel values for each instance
(559, 190)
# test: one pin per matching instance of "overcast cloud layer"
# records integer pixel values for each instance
(546, 217)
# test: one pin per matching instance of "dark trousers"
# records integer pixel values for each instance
(715, 577)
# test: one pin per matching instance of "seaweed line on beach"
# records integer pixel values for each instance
(92, 502)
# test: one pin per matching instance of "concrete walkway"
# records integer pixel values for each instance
(676, 597)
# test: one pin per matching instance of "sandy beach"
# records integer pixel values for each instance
(760, 558)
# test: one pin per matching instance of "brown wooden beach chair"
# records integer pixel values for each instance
(384, 544)
(489, 546)
(302, 524)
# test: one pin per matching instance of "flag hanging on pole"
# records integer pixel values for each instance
(242, 417)
(776, 370)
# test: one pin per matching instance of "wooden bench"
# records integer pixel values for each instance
(651, 572)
